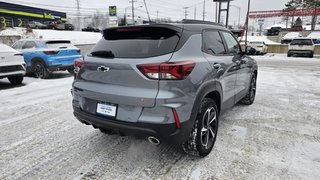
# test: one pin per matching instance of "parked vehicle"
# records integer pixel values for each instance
(90, 29)
(260, 47)
(289, 37)
(12, 65)
(315, 36)
(57, 25)
(301, 46)
(69, 26)
(274, 31)
(42, 57)
(37, 25)
(163, 82)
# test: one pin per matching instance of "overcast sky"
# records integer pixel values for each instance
(167, 8)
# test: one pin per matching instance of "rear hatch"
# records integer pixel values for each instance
(110, 72)
(302, 45)
(9, 56)
(62, 51)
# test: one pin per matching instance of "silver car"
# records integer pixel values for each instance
(163, 82)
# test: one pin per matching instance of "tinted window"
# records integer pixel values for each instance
(59, 44)
(212, 43)
(18, 45)
(301, 42)
(136, 42)
(29, 45)
(232, 43)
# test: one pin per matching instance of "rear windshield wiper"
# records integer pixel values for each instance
(105, 54)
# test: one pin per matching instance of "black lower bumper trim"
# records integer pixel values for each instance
(164, 132)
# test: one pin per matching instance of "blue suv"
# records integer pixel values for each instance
(42, 57)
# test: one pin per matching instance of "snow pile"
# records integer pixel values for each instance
(292, 35)
(259, 38)
(76, 37)
(22, 32)
(314, 35)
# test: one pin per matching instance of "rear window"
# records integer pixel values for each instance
(301, 42)
(137, 42)
(59, 44)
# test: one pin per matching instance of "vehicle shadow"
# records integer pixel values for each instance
(4, 84)
(55, 75)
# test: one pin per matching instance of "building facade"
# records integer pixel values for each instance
(15, 15)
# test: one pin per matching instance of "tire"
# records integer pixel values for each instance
(204, 131)
(311, 55)
(250, 97)
(288, 54)
(40, 71)
(15, 80)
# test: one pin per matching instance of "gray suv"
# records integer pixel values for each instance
(163, 82)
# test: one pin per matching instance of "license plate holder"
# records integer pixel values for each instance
(107, 109)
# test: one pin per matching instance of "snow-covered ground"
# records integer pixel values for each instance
(76, 37)
(278, 137)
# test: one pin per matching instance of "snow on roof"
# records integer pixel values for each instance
(292, 35)
(314, 35)
(276, 25)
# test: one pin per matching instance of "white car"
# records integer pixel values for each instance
(259, 46)
(12, 65)
(301, 46)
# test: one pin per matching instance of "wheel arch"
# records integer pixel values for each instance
(37, 59)
(212, 90)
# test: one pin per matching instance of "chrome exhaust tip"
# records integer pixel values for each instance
(153, 140)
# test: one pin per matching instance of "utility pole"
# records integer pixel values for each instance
(185, 12)
(157, 14)
(78, 15)
(204, 10)
(247, 26)
(132, 6)
(195, 13)
(217, 12)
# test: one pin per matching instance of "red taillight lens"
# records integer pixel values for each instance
(167, 70)
(78, 63)
(176, 118)
(50, 52)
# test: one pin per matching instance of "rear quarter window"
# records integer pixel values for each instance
(138, 42)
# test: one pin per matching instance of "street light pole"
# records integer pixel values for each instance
(239, 9)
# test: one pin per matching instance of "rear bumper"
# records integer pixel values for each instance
(59, 67)
(13, 70)
(300, 52)
(164, 132)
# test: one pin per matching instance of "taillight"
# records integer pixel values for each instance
(78, 63)
(50, 52)
(167, 70)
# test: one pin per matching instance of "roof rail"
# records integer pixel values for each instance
(191, 21)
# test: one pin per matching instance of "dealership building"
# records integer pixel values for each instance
(14, 15)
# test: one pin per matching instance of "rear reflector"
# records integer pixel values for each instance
(167, 70)
(176, 118)
(78, 63)
(51, 52)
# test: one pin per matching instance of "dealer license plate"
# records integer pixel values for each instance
(106, 109)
